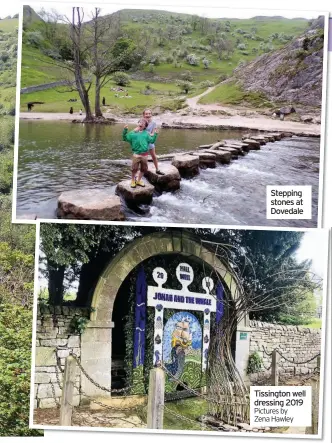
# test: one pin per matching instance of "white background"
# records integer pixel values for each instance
(320, 5)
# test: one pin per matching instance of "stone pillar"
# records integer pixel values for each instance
(96, 357)
(242, 347)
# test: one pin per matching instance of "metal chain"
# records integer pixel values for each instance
(269, 354)
(57, 402)
(267, 369)
(91, 380)
(297, 362)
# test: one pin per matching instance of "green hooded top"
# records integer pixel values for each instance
(139, 141)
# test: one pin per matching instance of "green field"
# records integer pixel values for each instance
(8, 55)
(167, 40)
(8, 25)
(316, 324)
(230, 93)
(163, 95)
(38, 69)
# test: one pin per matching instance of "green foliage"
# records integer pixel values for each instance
(15, 364)
(187, 76)
(255, 363)
(185, 86)
(121, 79)
(6, 172)
(78, 324)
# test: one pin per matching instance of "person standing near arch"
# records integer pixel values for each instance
(152, 125)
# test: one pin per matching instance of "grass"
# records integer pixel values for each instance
(8, 25)
(232, 94)
(35, 66)
(56, 99)
(315, 324)
(37, 69)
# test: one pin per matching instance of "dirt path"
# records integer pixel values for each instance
(258, 122)
(195, 106)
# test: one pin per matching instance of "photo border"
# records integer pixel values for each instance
(159, 6)
(323, 231)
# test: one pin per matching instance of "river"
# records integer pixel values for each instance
(58, 156)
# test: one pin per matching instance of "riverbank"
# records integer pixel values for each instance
(260, 123)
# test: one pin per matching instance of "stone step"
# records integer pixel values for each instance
(223, 157)
(233, 151)
(168, 182)
(254, 144)
(90, 204)
(261, 140)
(238, 148)
(135, 196)
(206, 159)
(276, 135)
(204, 146)
(187, 165)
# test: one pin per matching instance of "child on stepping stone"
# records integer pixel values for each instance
(139, 140)
(152, 125)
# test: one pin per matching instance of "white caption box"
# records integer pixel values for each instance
(276, 406)
(288, 202)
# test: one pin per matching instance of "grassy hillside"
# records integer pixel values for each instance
(8, 55)
(169, 44)
(292, 74)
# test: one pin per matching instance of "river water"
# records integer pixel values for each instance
(58, 156)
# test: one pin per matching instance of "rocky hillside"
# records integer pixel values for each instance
(290, 75)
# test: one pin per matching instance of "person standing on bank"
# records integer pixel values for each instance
(147, 115)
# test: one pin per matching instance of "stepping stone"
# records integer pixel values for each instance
(237, 143)
(217, 145)
(277, 136)
(259, 139)
(135, 196)
(188, 165)
(168, 182)
(222, 157)
(254, 144)
(239, 149)
(206, 160)
(90, 204)
(234, 151)
(204, 146)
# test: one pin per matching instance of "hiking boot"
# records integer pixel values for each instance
(140, 183)
(133, 184)
(158, 171)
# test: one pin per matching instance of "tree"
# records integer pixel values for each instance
(15, 366)
(121, 78)
(185, 86)
(187, 76)
(85, 249)
(79, 54)
(103, 33)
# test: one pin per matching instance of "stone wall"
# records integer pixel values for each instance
(54, 342)
(45, 86)
(296, 343)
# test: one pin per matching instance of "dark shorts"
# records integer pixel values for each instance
(139, 162)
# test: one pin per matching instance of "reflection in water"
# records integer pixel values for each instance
(57, 156)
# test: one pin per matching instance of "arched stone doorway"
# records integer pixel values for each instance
(96, 346)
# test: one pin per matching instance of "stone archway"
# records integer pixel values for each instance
(96, 345)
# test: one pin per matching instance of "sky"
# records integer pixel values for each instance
(65, 9)
(314, 247)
